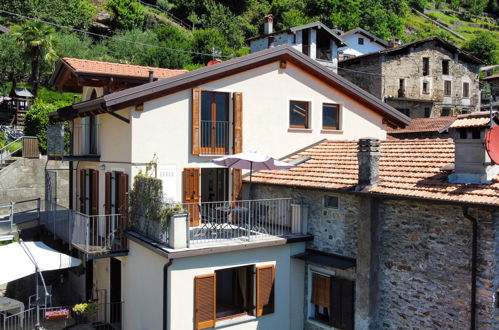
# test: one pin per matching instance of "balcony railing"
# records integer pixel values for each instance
(85, 140)
(92, 234)
(214, 137)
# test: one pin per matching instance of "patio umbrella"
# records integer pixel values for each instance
(252, 161)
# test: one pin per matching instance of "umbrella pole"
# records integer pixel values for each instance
(250, 185)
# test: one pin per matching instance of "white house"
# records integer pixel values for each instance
(360, 42)
(229, 262)
(315, 40)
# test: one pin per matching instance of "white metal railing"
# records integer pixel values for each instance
(214, 137)
(247, 220)
(17, 212)
(85, 140)
(9, 149)
(93, 234)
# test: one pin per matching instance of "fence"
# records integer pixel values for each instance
(92, 234)
(106, 314)
(16, 213)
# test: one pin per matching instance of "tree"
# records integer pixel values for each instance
(173, 38)
(484, 46)
(134, 53)
(128, 14)
(13, 64)
(39, 43)
(204, 41)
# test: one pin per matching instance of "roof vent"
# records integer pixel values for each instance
(151, 75)
(472, 162)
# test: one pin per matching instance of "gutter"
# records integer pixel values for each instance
(165, 294)
(474, 252)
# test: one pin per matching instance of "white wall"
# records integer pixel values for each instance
(368, 46)
(164, 128)
(289, 283)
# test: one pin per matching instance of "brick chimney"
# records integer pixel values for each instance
(392, 43)
(368, 156)
(268, 25)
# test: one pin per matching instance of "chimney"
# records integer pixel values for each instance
(368, 156)
(392, 43)
(472, 163)
(151, 75)
(268, 24)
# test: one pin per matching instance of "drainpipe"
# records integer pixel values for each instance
(165, 294)
(474, 250)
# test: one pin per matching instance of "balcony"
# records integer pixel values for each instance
(227, 222)
(214, 137)
(91, 234)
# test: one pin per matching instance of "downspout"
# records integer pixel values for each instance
(474, 252)
(165, 294)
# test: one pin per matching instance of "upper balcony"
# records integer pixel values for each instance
(215, 137)
(209, 224)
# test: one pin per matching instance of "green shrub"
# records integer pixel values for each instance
(128, 14)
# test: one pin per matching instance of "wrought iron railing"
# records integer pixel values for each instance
(214, 137)
(92, 234)
(85, 140)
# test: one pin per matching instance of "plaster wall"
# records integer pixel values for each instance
(353, 42)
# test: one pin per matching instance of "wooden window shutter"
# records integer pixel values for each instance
(205, 301)
(237, 184)
(342, 303)
(238, 122)
(265, 290)
(82, 191)
(94, 194)
(196, 121)
(191, 194)
(321, 290)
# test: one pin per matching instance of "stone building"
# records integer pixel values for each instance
(396, 244)
(360, 42)
(425, 78)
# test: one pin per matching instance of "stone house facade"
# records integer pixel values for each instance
(425, 78)
(410, 231)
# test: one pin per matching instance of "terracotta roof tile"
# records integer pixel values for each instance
(436, 124)
(475, 119)
(407, 168)
(118, 69)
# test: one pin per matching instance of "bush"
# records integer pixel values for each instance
(128, 14)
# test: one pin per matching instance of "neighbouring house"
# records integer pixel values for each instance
(359, 42)
(493, 81)
(424, 128)
(229, 261)
(406, 232)
(20, 103)
(489, 69)
(424, 78)
(314, 40)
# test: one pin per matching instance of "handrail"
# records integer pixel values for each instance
(9, 153)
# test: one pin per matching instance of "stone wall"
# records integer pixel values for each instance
(364, 72)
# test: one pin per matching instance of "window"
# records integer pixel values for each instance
(332, 301)
(298, 114)
(426, 66)
(445, 112)
(445, 67)
(214, 122)
(466, 89)
(427, 112)
(331, 201)
(361, 41)
(330, 116)
(405, 111)
(401, 90)
(230, 292)
(426, 87)
(447, 88)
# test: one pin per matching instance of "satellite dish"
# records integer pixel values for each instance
(492, 144)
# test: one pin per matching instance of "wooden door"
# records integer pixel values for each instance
(191, 194)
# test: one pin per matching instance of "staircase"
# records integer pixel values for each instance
(7, 162)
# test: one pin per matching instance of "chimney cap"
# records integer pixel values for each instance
(269, 18)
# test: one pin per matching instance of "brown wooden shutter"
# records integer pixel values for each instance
(122, 194)
(94, 193)
(196, 121)
(237, 184)
(82, 191)
(191, 194)
(342, 303)
(265, 290)
(321, 290)
(204, 301)
(238, 122)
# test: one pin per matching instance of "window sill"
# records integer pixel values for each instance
(234, 321)
(319, 324)
(331, 131)
(299, 130)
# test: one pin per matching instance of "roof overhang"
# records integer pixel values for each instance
(326, 259)
(139, 94)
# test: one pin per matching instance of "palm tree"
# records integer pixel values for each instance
(38, 40)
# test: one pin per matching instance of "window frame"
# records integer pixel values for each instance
(360, 41)
(425, 91)
(331, 207)
(467, 90)
(426, 66)
(449, 82)
(308, 114)
(250, 286)
(213, 147)
(445, 67)
(338, 116)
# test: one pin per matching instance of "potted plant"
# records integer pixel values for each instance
(57, 314)
(84, 310)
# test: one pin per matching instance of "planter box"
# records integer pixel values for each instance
(57, 315)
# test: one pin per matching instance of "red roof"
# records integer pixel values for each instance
(493, 76)
(436, 124)
(409, 168)
(118, 69)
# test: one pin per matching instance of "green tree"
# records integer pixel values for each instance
(222, 19)
(134, 53)
(339, 14)
(13, 64)
(128, 14)
(172, 38)
(39, 43)
(484, 46)
(203, 41)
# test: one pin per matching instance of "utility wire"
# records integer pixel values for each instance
(107, 37)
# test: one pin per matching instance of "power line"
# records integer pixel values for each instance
(107, 37)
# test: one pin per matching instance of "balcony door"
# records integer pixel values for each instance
(214, 184)
(214, 123)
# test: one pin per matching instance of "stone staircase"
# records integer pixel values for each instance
(7, 162)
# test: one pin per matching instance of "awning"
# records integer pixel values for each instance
(19, 259)
(326, 259)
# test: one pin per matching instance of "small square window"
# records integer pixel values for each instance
(426, 87)
(361, 41)
(445, 112)
(298, 114)
(332, 202)
(330, 116)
